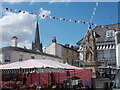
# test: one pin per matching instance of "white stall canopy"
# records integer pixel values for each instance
(38, 65)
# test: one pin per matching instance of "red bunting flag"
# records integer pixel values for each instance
(66, 19)
(10, 9)
(104, 26)
(23, 11)
(80, 21)
(35, 13)
(56, 17)
(99, 25)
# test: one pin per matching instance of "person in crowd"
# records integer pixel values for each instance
(24, 79)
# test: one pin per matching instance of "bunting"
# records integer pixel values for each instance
(63, 19)
(51, 17)
(94, 11)
(76, 21)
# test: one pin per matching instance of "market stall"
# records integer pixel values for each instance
(42, 73)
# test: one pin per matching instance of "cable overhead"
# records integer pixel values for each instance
(93, 14)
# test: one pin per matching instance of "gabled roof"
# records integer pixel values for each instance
(65, 46)
(68, 47)
(101, 33)
(26, 50)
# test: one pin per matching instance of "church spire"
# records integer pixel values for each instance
(37, 37)
(37, 45)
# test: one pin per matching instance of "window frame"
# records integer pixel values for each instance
(7, 57)
(110, 33)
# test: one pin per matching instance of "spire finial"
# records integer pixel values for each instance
(37, 37)
(37, 45)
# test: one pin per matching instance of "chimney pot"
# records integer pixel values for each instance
(54, 40)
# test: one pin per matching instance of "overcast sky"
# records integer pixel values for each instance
(23, 25)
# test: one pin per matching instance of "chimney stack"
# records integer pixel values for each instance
(72, 46)
(14, 41)
(67, 45)
(54, 40)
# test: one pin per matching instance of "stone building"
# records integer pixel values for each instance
(68, 53)
(13, 53)
(104, 44)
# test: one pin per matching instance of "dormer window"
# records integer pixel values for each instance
(110, 33)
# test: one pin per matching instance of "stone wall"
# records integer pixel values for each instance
(69, 55)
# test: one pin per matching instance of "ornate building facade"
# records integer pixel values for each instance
(102, 44)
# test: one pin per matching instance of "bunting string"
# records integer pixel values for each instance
(51, 17)
(63, 19)
(94, 11)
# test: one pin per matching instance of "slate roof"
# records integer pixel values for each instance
(74, 47)
(101, 33)
(26, 50)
